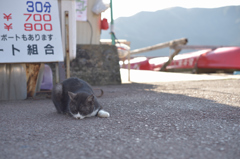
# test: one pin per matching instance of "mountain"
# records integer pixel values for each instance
(215, 26)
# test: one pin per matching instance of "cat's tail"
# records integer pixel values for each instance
(57, 96)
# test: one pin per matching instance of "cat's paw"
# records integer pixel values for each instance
(103, 114)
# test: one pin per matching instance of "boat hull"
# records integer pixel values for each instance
(226, 59)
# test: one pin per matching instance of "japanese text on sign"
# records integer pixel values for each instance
(31, 29)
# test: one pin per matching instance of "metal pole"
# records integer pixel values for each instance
(67, 43)
(182, 41)
(129, 66)
(57, 72)
(112, 24)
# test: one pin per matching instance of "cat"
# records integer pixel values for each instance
(75, 97)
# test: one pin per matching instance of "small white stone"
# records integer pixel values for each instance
(221, 148)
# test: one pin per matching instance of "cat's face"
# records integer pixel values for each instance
(81, 105)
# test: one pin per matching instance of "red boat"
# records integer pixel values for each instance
(226, 59)
(137, 63)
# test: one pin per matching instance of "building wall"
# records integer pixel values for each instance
(96, 64)
(89, 32)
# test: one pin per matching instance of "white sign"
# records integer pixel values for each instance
(30, 31)
(81, 10)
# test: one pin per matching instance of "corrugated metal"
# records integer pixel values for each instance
(13, 82)
(89, 32)
(40, 78)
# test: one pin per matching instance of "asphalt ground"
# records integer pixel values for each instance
(167, 120)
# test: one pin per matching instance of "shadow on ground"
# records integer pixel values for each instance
(167, 120)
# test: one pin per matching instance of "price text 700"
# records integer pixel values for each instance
(38, 26)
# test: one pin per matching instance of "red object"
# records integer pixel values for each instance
(104, 24)
(138, 63)
(185, 61)
(221, 59)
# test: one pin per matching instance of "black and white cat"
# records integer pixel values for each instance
(76, 97)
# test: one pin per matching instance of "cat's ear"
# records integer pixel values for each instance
(90, 99)
(71, 95)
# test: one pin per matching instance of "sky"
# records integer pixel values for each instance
(126, 8)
